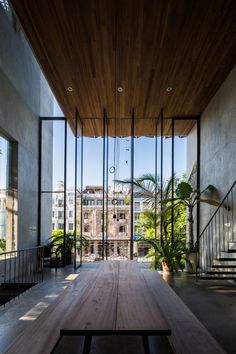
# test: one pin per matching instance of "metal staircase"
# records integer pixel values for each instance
(217, 242)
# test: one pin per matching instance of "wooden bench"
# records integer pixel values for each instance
(117, 298)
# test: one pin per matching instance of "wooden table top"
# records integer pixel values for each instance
(117, 300)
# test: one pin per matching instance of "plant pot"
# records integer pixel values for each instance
(166, 268)
(68, 257)
(192, 257)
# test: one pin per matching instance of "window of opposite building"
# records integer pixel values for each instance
(99, 202)
(61, 226)
(122, 228)
(86, 215)
(121, 215)
(70, 214)
(86, 228)
(60, 214)
(60, 203)
(71, 226)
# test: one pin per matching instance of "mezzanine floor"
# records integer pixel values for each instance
(213, 302)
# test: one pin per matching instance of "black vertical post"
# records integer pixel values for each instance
(172, 176)
(75, 203)
(103, 183)
(65, 170)
(161, 175)
(81, 190)
(107, 187)
(156, 182)
(39, 182)
(132, 190)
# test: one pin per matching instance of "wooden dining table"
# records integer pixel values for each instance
(112, 299)
(117, 302)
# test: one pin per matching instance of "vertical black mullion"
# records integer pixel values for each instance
(156, 182)
(161, 196)
(172, 177)
(81, 188)
(75, 204)
(132, 189)
(107, 188)
(103, 183)
(65, 170)
(198, 176)
(39, 182)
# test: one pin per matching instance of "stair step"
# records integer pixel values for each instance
(229, 266)
(220, 272)
(228, 254)
(232, 245)
(227, 259)
(231, 250)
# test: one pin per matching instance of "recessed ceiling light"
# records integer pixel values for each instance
(69, 88)
(169, 89)
(120, 89)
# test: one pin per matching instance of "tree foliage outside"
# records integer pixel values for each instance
(172, 253)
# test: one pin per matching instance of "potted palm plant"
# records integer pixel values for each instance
(171, 256)
(187, 196)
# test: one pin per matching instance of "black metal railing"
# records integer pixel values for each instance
(217, 242)
(20, 270)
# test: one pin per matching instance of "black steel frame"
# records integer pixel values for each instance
(105, 178)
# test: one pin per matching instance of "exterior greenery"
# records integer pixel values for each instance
(56, 241)
(173, 254)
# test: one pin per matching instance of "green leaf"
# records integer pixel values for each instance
(184, 190)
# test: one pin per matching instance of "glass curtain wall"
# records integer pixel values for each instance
(88, 200)
(8, 194)
(53, 201)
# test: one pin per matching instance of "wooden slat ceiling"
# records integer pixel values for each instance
(142, 46)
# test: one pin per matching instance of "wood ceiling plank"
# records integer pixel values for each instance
(142, 46)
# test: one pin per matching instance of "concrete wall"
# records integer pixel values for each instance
(24, 96)
(218, 143)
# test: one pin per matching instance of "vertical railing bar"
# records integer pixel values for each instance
(232, 207)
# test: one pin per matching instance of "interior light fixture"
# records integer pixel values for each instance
(169, 89)
(69, 88)
(120, 89)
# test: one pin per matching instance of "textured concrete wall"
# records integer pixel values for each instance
(218, 143)
(24, 95)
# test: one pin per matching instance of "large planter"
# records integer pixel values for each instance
(192, 257)
(166, 268)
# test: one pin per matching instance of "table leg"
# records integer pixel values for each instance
(87, 344)
(146, 345)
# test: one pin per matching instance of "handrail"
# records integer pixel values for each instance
(222, 202)
(21, 250)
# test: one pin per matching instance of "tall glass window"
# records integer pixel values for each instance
(8, 195)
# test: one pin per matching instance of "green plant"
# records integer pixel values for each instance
(172, 254)
(188, 197)
(2, 244)
(56, 241)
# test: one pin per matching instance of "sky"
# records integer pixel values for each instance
(3, 162)
(93, 156)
